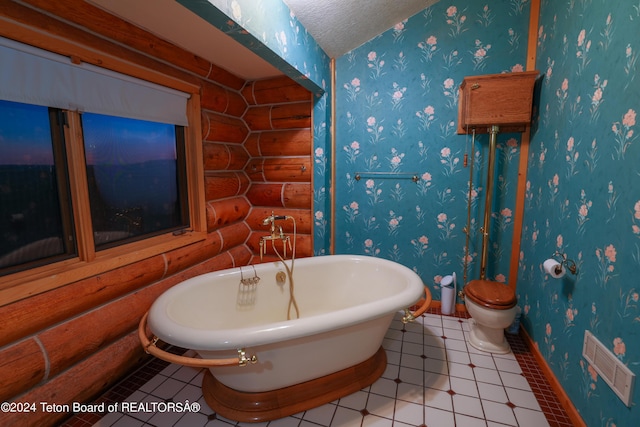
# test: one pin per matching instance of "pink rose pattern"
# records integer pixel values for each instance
(397, 100)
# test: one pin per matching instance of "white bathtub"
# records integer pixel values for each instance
(346, 305)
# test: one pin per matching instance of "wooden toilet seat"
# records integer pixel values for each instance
(494, 295)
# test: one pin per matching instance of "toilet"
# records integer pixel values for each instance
(492, 306)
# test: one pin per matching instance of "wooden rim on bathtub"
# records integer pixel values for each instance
(149, 346)
(254, 407)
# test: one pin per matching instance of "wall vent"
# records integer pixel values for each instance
(611, 369)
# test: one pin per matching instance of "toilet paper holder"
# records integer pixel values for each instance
(569, 264)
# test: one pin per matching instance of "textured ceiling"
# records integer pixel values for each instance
(339, 26)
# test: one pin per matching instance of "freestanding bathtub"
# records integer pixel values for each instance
(346, 305)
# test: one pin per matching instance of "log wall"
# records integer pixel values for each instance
(280, 168)
(72, 343)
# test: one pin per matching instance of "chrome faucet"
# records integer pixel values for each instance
(276, 233)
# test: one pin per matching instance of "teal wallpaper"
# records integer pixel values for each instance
(397, 113)
(583, 198)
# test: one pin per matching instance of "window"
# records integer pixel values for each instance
(35, 220)
(135, 178)
(135, 174)
(97, 169)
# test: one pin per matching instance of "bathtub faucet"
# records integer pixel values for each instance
(276, 233)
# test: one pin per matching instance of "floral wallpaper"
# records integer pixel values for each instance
(397, 114)
(583, 198)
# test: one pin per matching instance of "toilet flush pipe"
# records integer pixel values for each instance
(149, 346)
(493, 131)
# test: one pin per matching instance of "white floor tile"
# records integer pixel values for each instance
(485, 375)
(437, 381)
(374, 421)
(514, 381)
(435, 352)
(464, 386)
(529, 418)
(411, 376)
(356, 401)
(451, 323)
(508, 365)
(409, 413)
(443, 382)
(461, 371)
(458, 357)
(320, 415)
(438, 417)
(498, 412)
(482, 361)
(411, 393)
(384, 387)
(412, 361)
(381, 405)
(343, 417)
(438, 399)
(492, 392)
(523, 398)
(454, 334)
(466, 421)
(467, 405)
(458, 345)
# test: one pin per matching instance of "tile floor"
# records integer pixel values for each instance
(433, 379)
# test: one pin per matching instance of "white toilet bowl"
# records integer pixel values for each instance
(492, 307)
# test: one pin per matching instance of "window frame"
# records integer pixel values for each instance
(88, 262)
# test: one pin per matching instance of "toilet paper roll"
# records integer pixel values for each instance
(554, 269)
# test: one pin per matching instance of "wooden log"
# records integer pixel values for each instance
(251, 144)
(219, 156)
(287, 169)
(218, 262)
(219, 128)
(220, 185)
(255, 169)
(297, 195)
(22, 366)
(241, 255)
(284, 143)
(222, 100)
(184, 258)
(279, 169)
(287, 195)
(214, 97)
(227, 211)
(236, 105)
(258, 118)
(130, 38)
(302, 217)
(81, 383)
(78, 338)
(282, 116)
(234, 235)
(291, 116)
(30, 315)
(265, 195)
(274, 91)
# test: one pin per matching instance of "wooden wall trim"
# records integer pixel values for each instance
(518, 217)
(564, 399)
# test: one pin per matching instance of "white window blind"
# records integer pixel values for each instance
(35, 76)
